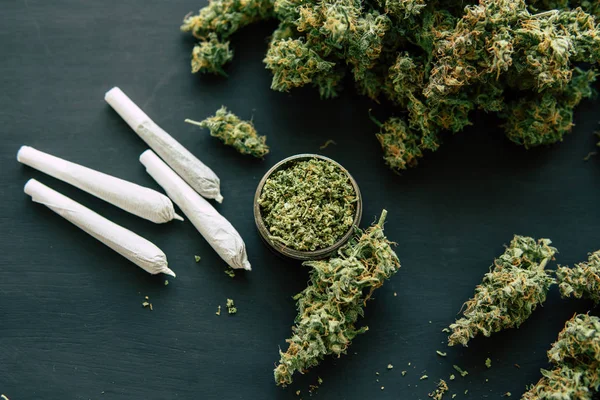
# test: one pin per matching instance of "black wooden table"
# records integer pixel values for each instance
(72, 325)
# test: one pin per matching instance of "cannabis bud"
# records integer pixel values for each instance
(400, 145)
(214, 24)
(576, 357)
(516, 284)
(329, 307)
(581, 281)
(241, 135)
(209, 56)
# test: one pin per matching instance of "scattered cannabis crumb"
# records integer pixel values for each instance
(218, 310)
(297, 392)
(488, 362)
(376, 373)
(446, 330)
(516, 284)
(320, 380)
(423, 377)
(589, 155)
(166, 282)
(382, 387)
(403, 373)
(442, 388)
(308, 206)
(241, 135)
(452, 377)
(330, 306)
(517, 366)
(576, 359)
(441, 353)
(466, 391)
(454, 395)
(460, 370)
(507, 394)
(395, 294)
(230, 272)
(197, 258)
(390, 366)
(231, 309)
(147, 304)
(581, 281)
(327, 143)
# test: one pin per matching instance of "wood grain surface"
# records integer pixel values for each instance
(72, 325)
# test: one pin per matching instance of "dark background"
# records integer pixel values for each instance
(71, 321)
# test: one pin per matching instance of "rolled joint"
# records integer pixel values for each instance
(126, 108)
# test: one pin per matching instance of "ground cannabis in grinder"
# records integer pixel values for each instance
(576, 357)
(438, 60)
(516, 284)
(583, 280)
(329, 307)
(308, 206)
(241, 135)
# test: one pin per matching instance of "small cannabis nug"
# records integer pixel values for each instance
(241, 135)
(330, 306)
(583, 280)
(576, 357)
(516, 284)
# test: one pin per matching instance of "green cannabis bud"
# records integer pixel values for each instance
(400, 145)
(576, 357)
(209, 56)
(308, 206)
(214, 24)
(438, 60)
(241, 135)
(516, 284)
(581, 281)
(330, 306)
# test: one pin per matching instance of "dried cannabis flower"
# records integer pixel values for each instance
(400, 145)
(516, 284)
(581, 281)
(330, 306)
(308, 206)
(214, 24)
(576, 356)
(234, 132)
(209, 56)
(438, 60)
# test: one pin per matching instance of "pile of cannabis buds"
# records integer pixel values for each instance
(530, 63)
